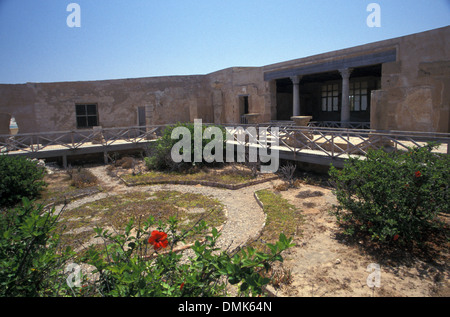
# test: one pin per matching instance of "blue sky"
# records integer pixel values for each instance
(144, 38)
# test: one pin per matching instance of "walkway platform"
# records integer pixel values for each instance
(316, 145)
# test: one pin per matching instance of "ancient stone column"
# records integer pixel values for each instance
(345, 110)
(296, 93)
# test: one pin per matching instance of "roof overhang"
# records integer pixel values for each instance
(333, 65)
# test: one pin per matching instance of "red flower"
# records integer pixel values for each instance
(158, 240)
(396, 237)
(181, 286)
(418, 174)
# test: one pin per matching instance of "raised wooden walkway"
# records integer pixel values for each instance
(325, 146)
(317, 145)
(74, 143)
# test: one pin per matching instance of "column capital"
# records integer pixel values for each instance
(296, 79)
(345, 72)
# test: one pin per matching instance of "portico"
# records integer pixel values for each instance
(337, 90)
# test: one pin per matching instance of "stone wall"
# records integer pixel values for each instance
(415, 90)
(18, 101)
(226, 86)
(42, 107)
(214, 98)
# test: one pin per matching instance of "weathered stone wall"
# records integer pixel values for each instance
(415, 90)
(18, 101)
(214, 98)
(226, 86)
(42, 107)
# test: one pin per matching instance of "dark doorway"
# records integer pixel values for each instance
(243, 108)
(141, 118)
(284, 99)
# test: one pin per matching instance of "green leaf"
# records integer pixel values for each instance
(273, 248)
(244, 287)
(234, 280)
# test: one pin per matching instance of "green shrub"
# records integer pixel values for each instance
(125, 269)
(31, 263)
(160, 157)
(393, 196)
(19, 178)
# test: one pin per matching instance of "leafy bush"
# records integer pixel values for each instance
(160, 158)
(19, 178)
(393, 196)
(125, 268)
(31, 263)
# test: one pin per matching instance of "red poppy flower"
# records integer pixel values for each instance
(418, 174)
(181, 286)
(158, 240)
(396, 237)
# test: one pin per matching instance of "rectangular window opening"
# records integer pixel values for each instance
(359, 96)
(86, 116)
(330, 97)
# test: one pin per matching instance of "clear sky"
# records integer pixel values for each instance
(145, 38)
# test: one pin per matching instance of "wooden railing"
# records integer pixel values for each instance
(341, 142)
(339, 124)
(35, 142)
(330, 143)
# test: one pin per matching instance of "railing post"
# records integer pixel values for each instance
(332, 145)
(32, 143)
(38, 143)
(348, 141)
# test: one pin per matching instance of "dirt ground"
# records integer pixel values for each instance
(325, 263)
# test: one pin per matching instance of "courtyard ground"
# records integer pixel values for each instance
(324, 263)
(327, 263)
